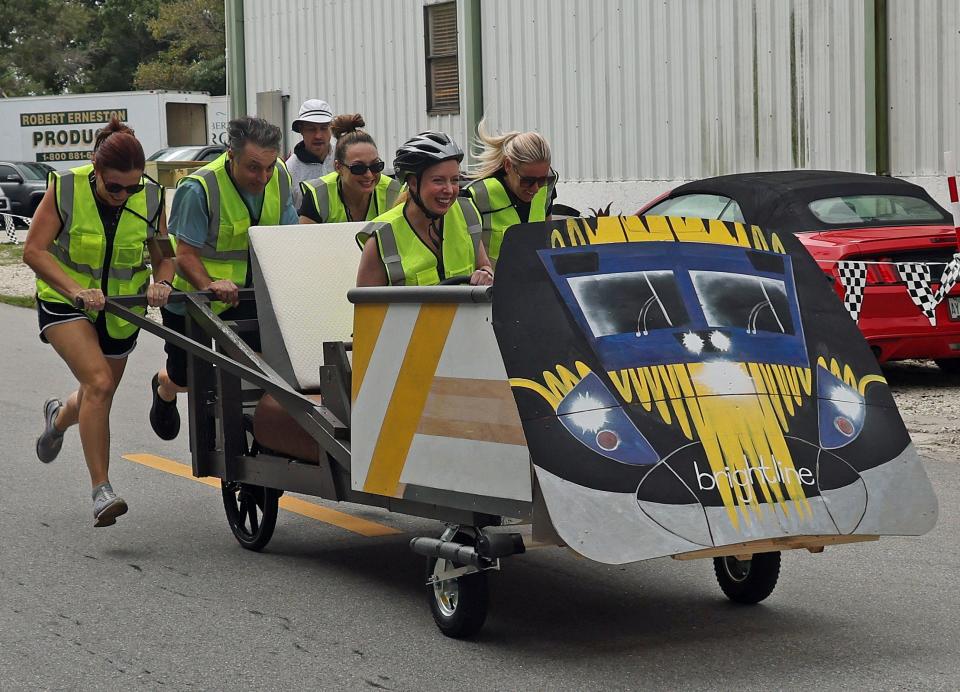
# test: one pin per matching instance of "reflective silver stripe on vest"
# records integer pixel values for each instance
(120, 274)
(66, 198)
(63, 255)
(482, 200)
(393, 191)
(285, 181)
(154, 200)
(317, 189)
(389, 253)
(213, 204)
(474, 228)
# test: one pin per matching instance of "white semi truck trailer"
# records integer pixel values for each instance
(60, 130)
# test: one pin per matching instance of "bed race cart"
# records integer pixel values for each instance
(631, 388)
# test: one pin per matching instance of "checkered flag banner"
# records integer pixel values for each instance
(853, 276)
(917, 277)
(949, 279)
(9, 228)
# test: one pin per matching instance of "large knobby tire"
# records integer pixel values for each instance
(459, 606)
(251, 512)
(747, 581)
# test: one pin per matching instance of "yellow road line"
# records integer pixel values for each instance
(364, 527)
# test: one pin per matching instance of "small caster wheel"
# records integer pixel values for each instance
(747, 581)
(459, 605)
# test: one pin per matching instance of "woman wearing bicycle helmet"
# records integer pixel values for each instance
(355, 191)
(433, 235)
(513, 184)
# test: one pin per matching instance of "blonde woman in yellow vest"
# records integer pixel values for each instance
(434, 235)
(88, 241)
(211, 215)
(513, 184)
(356, 190)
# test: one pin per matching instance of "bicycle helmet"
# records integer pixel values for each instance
(424, 150)
(419, 153)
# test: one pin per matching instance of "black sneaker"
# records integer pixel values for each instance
(164, 417)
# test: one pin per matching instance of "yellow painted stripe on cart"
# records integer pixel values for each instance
(364, 527)
(367, 323)
(409, 396)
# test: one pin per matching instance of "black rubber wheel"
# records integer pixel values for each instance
(747, 581)
(950, 366)
(459, 606)
(251, 512)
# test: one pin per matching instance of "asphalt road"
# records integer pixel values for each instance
(167, 598)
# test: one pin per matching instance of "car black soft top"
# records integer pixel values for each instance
(778, 199)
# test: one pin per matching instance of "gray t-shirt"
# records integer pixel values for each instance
(301, 170)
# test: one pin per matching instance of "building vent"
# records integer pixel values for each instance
(443, 76)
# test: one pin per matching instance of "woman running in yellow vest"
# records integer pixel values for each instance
(513, 184)
(86, 242)
(356, 190)
(433, 235)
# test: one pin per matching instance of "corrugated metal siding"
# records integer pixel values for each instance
(363, 56)
(924, 96)
(680, 89)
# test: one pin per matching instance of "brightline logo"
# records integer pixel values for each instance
(744, 478)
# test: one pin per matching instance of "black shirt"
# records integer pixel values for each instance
(523, 208)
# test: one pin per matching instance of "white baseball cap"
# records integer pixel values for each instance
(313, 111)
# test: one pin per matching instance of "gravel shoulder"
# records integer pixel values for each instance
(927, 398)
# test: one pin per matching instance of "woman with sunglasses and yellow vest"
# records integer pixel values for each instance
(356, 190)
(86, 243)
(513, 184)
(433, 234)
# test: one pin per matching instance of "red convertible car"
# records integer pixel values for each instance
(874, 224)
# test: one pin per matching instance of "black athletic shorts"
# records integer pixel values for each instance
(177, 357)
(50, 314)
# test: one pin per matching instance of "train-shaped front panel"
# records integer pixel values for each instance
(687, 384)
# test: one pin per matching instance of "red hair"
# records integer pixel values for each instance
(117, 148)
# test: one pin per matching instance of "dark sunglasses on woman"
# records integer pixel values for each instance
(361, 168)
(117, 188)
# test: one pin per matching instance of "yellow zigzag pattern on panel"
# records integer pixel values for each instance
(628, 229)
(742, 433)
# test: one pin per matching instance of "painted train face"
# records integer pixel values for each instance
(658, 303)
(685, 377)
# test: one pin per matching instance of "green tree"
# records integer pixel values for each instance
(119, 40)
(44, 45)
(194, 52)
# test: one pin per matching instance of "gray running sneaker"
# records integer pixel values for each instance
(51, 439)
(107, 506)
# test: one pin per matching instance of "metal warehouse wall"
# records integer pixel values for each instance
(363, 56)
(924, 100)
(679, 89)
(640, 90)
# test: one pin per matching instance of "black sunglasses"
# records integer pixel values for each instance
(542, 181)
(117, 188)
(361, 168)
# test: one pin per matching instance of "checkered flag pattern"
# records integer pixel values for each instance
(853, 276)
(949, 279)
(917, 277)
(9, 227)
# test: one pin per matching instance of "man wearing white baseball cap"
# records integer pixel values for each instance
(313, 156)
